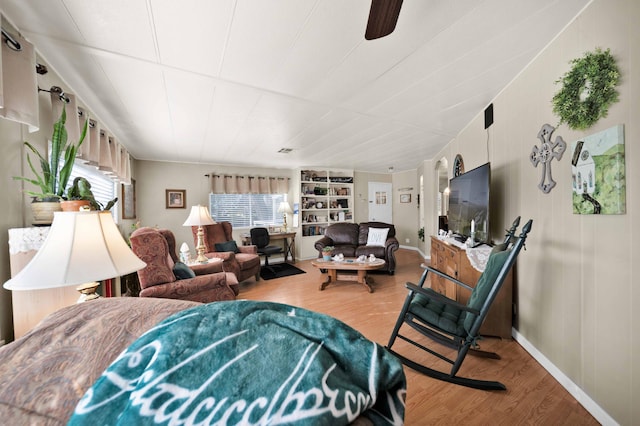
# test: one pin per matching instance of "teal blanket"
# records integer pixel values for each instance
(247, 363)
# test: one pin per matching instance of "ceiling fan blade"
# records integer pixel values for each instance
(383, 17)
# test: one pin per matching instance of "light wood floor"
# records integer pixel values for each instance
(533, 396)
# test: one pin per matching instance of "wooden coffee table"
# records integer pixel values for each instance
(335, 268)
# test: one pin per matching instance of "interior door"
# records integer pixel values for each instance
(380, 202)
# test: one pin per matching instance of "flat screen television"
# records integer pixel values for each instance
(469, 200)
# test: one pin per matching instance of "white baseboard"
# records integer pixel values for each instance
(426, 258)
(585, 400)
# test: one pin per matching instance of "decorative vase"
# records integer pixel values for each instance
(74, 205)
(42, 212)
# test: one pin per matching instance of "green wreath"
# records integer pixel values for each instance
(588, 90)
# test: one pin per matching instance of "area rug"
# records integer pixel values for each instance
(279, 270)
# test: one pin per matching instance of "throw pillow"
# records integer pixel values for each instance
(227, 246)
(377, 236)
(182, 271)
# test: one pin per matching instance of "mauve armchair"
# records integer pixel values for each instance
(158, 279)
(244, 261)
(228, 264)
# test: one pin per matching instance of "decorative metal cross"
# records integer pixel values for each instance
(548, 151)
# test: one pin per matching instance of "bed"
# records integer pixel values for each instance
(162, 361)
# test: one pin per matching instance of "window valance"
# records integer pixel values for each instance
(19, 102)
(100, 148)
(242, 184)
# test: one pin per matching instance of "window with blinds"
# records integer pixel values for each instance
(246, 210)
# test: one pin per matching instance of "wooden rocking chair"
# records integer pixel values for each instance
(453, 324)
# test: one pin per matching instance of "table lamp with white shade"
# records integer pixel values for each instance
(81, 248)
(285, 209)
(199, 217)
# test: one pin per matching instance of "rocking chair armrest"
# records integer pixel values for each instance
(447, 277)
(441, 298)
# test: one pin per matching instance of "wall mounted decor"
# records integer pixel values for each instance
(588, 89)
(128, 193)
(548, 151)
(458, 166)
(176, 198)
(598, 172)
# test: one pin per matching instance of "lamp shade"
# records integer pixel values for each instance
(81, 247)
(284, 207)
(199, 216)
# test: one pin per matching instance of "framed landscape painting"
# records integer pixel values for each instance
(598, 173)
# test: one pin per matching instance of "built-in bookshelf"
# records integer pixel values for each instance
(326, 196)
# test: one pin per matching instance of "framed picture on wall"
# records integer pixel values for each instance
(405, 198)
(128, 194)
(176, 198)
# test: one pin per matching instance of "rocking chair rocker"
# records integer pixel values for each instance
(453, 324)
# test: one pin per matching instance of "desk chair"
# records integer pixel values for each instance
(260, 238)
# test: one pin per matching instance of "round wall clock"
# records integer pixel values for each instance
(588, 89)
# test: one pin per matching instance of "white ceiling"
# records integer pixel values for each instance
(234, 81)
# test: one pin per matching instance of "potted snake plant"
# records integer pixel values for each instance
(52, 178)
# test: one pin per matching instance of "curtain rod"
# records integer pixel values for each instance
(15, 45)
(56, 89)
(11, 42)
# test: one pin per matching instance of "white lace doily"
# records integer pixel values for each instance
(25, 239)
(478, 256)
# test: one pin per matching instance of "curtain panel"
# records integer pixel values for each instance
(19, 84)
(19, 102)
(239, 184)
(94, 143)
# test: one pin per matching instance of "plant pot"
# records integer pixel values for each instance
(42, 212)
(326, 257)
(74, 205)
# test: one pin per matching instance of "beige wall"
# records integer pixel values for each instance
(575, 287)
(153, 178)
(361, 192)
(405, 215)
(12, 211)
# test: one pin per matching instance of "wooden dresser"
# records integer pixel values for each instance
(453, 261)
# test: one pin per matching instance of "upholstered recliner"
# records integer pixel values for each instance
(158, 278)
(227, 265)
(244, 261)
(351, 239)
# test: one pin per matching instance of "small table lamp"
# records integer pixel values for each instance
(82, 248)
(200, 216)
(284, 208)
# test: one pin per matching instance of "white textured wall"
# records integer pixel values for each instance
(575, 285)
